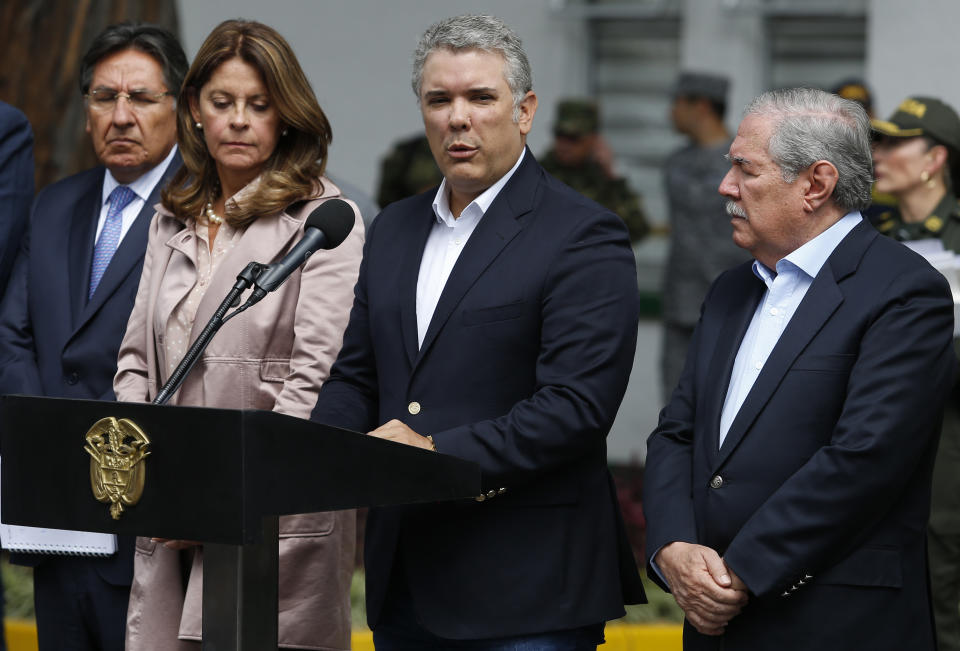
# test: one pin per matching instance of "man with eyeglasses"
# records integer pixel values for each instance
(73, 287)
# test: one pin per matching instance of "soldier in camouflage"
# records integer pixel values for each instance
(916, 160)
(406, 170)
(577, 158)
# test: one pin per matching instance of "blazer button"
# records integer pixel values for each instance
(716, 482)
(414, 408)
(73, 378)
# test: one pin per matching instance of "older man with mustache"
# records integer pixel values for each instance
(787, 484)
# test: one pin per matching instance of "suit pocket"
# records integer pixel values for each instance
(839, 363)
(493, 314)
(145, 546)
(869, 566)
(307, 525)
(274, 370)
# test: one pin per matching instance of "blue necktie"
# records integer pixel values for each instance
(106, 245)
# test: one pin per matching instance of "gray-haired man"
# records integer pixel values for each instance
(495, 320)
(787, 485)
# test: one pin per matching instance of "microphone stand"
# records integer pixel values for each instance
(245, 278)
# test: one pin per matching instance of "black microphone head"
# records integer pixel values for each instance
(335, 218)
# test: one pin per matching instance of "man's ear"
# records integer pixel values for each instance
(527, 109)
(822, 179)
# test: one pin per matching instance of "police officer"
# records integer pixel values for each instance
(915, 161)
(580, 159)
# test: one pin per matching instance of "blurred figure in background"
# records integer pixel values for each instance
(915, 161)
(855, 90)
(406, 170)
(700, 242)
(581, 159)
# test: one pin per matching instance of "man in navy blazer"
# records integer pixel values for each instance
(788, 482)
(16, 184)
(495, 320)
(72, 288)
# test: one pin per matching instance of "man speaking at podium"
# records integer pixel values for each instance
(495, 320)
(72, 289)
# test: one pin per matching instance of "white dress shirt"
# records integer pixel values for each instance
(142, 187)
(447, 238)
(785, 289)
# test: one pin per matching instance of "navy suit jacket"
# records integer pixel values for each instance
(53, 341)
(819, 497)
(522, 370)
(16, 184)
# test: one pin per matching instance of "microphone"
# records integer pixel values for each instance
(326, 228)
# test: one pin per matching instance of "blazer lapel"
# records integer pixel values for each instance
(83, 230)
(735, 325)
(821, 301)
(409, 273)
(498, 226)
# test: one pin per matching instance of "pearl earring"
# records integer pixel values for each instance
(198, 125)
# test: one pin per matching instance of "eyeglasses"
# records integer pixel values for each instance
(105, 99)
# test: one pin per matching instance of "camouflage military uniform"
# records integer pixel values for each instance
(944, 529)
(408, 169)
(590, 180)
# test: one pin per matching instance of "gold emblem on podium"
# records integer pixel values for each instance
(117, 449)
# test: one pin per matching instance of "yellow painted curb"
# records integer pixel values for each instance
(620, 637)
(22, 636)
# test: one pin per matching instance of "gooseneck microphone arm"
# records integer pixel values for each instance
(244, 280)
(326, 227)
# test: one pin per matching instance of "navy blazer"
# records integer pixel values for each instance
(522, 370)
(16, 184)
(53, 341)
(819, 497)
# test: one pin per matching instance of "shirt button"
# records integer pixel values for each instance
(716, 482)
(414, 408)
(773, 311)
(457, 241)
(758, 365)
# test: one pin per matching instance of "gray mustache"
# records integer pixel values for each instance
(736, 211)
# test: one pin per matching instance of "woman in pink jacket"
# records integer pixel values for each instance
(254, 144)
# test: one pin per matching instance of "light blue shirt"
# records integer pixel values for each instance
(785, 290)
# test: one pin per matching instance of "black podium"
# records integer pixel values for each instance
(219, 476)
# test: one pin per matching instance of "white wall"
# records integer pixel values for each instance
(715, 39)
(912, 50)
(357, 55)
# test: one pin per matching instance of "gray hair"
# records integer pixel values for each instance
(486, 33)
(154, 40)
(812, 125)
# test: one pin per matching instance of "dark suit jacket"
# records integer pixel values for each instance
(522, 370)
(53, 341)
(16, 184)
(819, 497)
